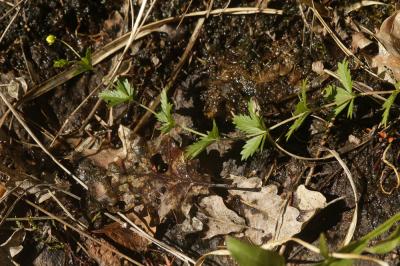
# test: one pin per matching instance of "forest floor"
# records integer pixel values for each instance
(89, 180)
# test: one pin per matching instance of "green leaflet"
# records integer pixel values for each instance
(123, 92)
(387, 105)
(60, 63)
(359, 246)
(196, 148)
(344, 75)
(254, 128)
(165, 116)
(301, 109)
(85, 63)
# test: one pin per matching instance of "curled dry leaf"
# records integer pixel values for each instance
(221, 220)
(389, 54)
(318, 67)
(308, 202)
(11, 247)
(131, 153)
(359, 41)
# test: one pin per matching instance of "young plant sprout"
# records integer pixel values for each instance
(252, 124)
(301, 109)
(84, 63)
(123, 93)
(253, 127)
(343, 97)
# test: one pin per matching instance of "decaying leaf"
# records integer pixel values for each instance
(11, 247)
(159, 193)
(359, 41)
(308, 202)
(102, 255)
(267, 214)
(221, 220)
(389, 53)
(3, 191)
(131, 153)
(389, 34)
(124, 237)
(51, 257)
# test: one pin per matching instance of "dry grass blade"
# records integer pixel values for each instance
(38, 142)
(353, 224)
(114, 46)
(361, 4)
(220, 252)
(382, 179)
(65, 209)
(135, 24)
(13, 7)
(74, 228)
(334, 37)
(174, 75)
(9, 24)
(142, 233)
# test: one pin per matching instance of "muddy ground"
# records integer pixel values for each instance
(235, 58)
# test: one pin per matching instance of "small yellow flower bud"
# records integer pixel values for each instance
(51, 39)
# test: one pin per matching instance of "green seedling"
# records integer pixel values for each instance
(301, 110)
(196, 148)
(84, 62)
(343, 97)
(253, 128)
(164, 116)
(388, 104)
(123, 92)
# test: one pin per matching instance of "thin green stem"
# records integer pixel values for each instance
(192, 131)
(299, 115)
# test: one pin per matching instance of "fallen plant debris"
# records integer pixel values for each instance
(199, 132)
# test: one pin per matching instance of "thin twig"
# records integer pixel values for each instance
(133, 227)
(174, 75)
(33, 136)
(74, 228)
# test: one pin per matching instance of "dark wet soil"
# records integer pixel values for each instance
(235, 58)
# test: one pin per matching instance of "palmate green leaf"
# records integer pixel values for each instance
(164, 116)
(196, 148)
(387, 105)
(301, 108)
(248, 255)
(254, 128)
(123, 92)
(344, 75)
(343, 99)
